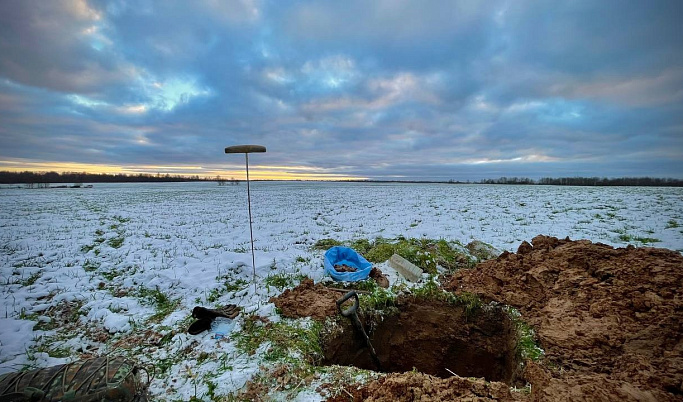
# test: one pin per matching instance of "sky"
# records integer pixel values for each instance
(383, 90)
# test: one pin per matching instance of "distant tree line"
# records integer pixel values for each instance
(589, 181)
(222, 182)
(43, 178)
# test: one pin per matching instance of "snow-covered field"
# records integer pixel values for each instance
(111, 252)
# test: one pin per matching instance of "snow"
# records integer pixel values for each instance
(99, 248)
(15, 338)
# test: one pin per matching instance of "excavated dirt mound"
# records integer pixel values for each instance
(423, 387)
(610, 320)
(307, 300)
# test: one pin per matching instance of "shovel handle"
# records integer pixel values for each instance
(351, 310)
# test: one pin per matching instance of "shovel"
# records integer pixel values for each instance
(351, 313)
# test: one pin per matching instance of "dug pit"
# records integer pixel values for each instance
(432, 337)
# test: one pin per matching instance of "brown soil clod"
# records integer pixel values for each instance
(307, 300)
(381, 279)
(344, 268)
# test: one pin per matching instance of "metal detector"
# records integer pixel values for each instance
(246, 150)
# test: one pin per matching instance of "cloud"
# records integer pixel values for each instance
(386, 89)
(50, 45)
(653, 89)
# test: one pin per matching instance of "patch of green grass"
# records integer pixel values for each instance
(368, 285)
(646, 240)
(451, 258)
(31, 279)
(527, 347)
(117, 271)
(163, 305)
(116, 242)
(111, 274)
(121, 219)
(425, 253)
(228, 286)
(288, 341)
(418, 251)
(211, 389)
(284, 280)
(90, 265)
(166, 339)
(362, 246)
(59, 352)
(164, 363)
(471, 302)
(302, 259)
(625, 237)
(324, 244)
(213, 295)
(45, 325)
(85, 249)
(23, 315)
(46, 345)
(671, 224)
(235, 286)
(379, 252)
(378, 299)
(382, 299)
(432, 291)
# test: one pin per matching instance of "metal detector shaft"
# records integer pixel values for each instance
(352, 314)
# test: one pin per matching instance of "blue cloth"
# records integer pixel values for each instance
(338, 255)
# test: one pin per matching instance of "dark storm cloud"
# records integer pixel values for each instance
(386, 89)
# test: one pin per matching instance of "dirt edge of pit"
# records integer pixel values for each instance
(434, 337)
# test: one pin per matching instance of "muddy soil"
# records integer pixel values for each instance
(610, 320)
(423, 387)
(308, 300)
(431, 337)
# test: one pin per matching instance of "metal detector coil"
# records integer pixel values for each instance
(244, 149)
